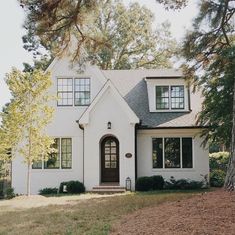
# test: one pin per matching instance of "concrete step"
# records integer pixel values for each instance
(108, 189)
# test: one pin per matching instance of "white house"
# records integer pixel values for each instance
(114, 124)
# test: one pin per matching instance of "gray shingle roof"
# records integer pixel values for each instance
(133, 88)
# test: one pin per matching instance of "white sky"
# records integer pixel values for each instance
(12, 53)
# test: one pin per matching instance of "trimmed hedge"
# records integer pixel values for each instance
(219, 161)
(72, 187)
(183, 184)
(218, 167)
(217, 178)
(47, 191)
(158, 182)
(147, 183)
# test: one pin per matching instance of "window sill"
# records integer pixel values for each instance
(51, 170)
(174, 169)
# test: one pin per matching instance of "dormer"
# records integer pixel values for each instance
(168, 94)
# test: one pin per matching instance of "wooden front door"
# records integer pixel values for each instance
(110, 159)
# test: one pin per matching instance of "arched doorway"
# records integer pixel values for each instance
(110, 159)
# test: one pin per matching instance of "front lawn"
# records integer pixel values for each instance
(92, 216)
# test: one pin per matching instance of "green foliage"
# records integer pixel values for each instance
(50, 24)
(46, 191)
(114, 35)
(158, 182)
(219, 161)
(10, 193)
(155, 182)
(217, 178)
(184, 184)
(144, 183)
(25, 118)
(72, 187)
(131, 41)
(210, 57)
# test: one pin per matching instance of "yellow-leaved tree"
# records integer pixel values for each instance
(25, 118)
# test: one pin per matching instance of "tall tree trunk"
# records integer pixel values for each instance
(230, 177)
(29, 179)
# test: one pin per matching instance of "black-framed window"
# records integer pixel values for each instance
(37, 165)
(162, 97)
(66, 153)
(53, 161)
(65, 91)
(157, 153)
(60, 159)
(170, 97)
(174, 152)
(81, 91)
(187, 153)
(177, 97)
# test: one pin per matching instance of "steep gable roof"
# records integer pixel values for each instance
(84, 119)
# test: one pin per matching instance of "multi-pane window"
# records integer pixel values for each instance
(110, 152)
(37, 165)
(157, 153)
(65, 91)
(162, 97)
(82, 91)
(60, 159)
(66, 153)
(53, 161)
(177, 97)
(172, 153)
(169, 97)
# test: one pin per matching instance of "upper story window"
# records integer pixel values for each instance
(65, 91)
(82, 91)
(162, 97)
(77, 89)
(169, 97)
(177, 97)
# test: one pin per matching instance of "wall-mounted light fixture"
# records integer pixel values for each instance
(109, 125)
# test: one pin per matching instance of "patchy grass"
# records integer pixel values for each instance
(93, 216)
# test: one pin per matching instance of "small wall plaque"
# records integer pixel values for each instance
(128, 155)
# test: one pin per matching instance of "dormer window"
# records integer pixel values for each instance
(169, 97)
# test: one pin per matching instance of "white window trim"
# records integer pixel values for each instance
(181, 168)
(60, 157)
(169, 91)
(73, 81)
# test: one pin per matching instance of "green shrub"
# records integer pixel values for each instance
(144, 183)
(219, 161)
(217, 178)
(72, 187)
(46, 191)
(157, 182)
(10, 193)
(184, 184)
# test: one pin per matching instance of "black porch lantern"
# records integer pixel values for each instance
(128, 184)
(109, 125)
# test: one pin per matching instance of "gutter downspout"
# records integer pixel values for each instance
(83, 150)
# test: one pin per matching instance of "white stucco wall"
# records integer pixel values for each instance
(63, 125)
(144, 155)
(108, 109)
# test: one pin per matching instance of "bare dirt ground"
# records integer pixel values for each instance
(209, 213)
(24, 202)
